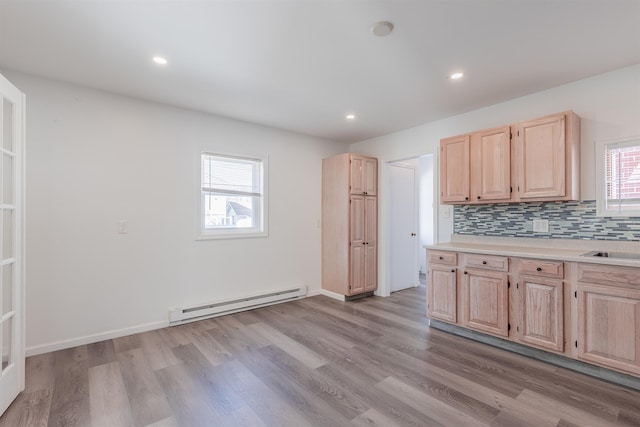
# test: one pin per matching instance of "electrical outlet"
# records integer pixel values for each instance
(540, 225)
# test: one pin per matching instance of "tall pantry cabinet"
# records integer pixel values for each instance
(349, 224)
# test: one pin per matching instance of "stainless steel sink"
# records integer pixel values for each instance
(620, 255)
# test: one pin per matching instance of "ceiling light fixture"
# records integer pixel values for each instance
(456, 76)
(350, 116)
(159, 60)
(382, 28)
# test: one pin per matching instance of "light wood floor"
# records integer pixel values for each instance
(313, 362)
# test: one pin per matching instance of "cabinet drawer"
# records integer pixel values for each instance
(536, 267)
(605, 275)
(487, 262)
(443, 257)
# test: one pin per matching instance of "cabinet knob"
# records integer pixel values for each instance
(440, 257)
(453, 270)
(478, 197)
(484, 262)
(465, 272)
(466, 198)
(539, 269)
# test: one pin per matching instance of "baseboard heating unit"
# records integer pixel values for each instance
(178, 316)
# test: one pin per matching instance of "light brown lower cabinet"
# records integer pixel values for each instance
(531, 302)
(541, 312)
(442, 293)
(486, 301)
(608, 301)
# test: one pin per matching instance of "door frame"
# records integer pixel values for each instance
(416, 212)
(384, 246)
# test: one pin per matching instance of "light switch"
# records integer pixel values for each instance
(123, 227)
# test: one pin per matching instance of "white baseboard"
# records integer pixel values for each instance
(333, 295)
(89, 339)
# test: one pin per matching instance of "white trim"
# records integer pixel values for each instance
(330, 294)
(233, 233)
(90, 339)
(600, 150)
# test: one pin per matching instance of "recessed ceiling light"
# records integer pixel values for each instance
(159, 60)
(382, 28)
(456, 76)
(350, 116)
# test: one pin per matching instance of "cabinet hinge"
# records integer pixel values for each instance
(508, 326)
(518, 133)
(575, 294)
(510, 136)
(517, 285)
(508, 285)
(517, 328)
(576, 343)
(510, 189)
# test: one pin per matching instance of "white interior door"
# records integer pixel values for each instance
(403, 227)
(11, 249)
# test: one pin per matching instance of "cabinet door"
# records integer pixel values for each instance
(541, 308)
(370, 220)
(364, 175)
(486, 301)
(442, 293)
(491, 165)
(542, 158)
(370, 268)
(370, 178)
(609, 326)
(454, 169)
(357, 264)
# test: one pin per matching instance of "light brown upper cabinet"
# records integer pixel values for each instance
(537, 160)
(547, 158)
(491, 165)
(364, 175)
(476, 168)
(454, 169)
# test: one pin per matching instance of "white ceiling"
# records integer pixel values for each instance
(301, 65)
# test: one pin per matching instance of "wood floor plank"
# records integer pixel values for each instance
(41, 372)
(158, 353)
(221, 398)
(432, 408)
(70, 398)
(146, 398)
(100, 353)
(341, 400)
(295, 349)
(108, 398)
(563, 410)
(189, 405)
(29, 410)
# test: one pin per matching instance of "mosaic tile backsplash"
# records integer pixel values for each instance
(567, 220)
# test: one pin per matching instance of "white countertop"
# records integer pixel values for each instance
(552, 249)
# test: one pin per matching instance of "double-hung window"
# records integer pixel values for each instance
(232, 196)
(618, 182)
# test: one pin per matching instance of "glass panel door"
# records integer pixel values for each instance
(11, 199)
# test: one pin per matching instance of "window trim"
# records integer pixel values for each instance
(600, 155)
(233, 233)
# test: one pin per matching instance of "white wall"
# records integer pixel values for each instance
(95, 158)
(609, 106)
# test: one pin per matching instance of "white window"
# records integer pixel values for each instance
(232, 196)
(618, 178)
